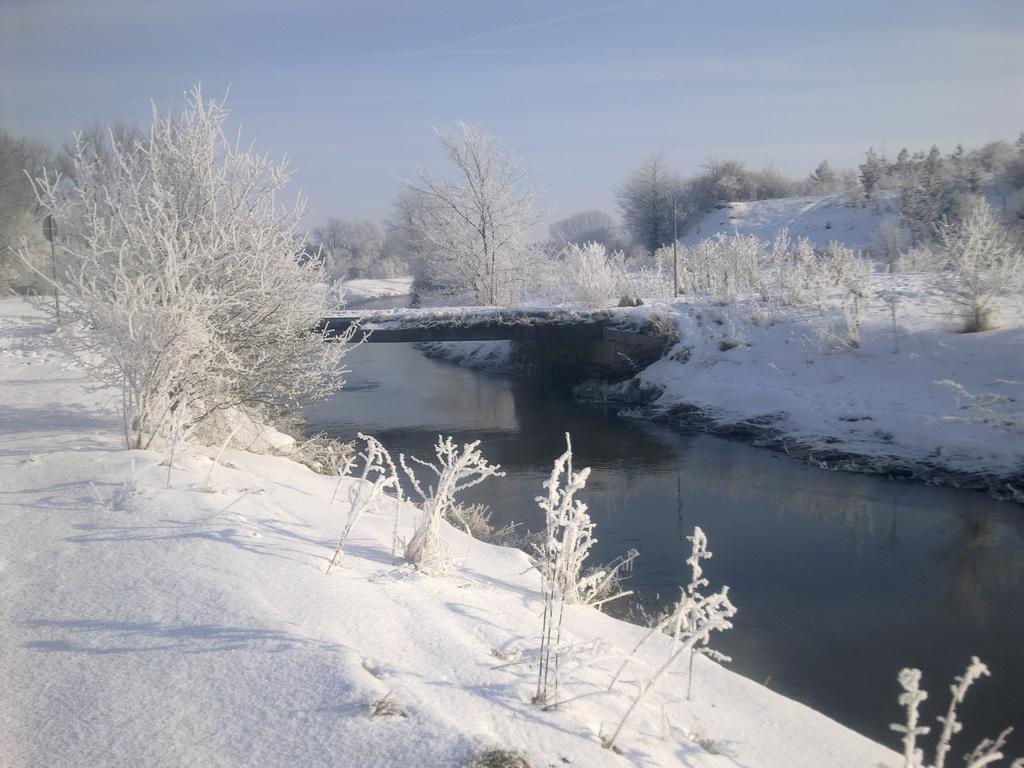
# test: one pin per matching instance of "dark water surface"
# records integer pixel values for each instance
(840, 579)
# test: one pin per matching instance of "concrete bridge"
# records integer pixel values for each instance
(561, 343)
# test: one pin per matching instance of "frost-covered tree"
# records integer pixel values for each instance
(401, 239)
(349, 248)
(981, 263)
(824, 179)
(472, 229)
(872, 171)
(20, 160)
(591, 226)
(649, 202)
(926, 196)
(182, 287)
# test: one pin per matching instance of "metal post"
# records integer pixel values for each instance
(675, 245)
(50, 233)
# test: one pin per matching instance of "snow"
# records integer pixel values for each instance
(819, 219)
(382, 288)
(152, 625)
(870, 402)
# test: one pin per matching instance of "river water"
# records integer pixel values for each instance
(840, 579)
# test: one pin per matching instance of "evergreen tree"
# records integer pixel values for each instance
(872, 171)
(824, 176)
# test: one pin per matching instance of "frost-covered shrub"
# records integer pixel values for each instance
(727, 269)
(592, 276)
(180, 283)
(889, 240)
(322, 454)
(724, 267)
(456, 469)
(919, 259)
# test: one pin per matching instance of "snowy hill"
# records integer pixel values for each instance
(819, 219)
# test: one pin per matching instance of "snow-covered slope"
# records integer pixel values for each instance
(884, 404)
(819, 219)
(151, 625)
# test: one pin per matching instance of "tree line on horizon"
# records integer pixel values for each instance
(438, 225)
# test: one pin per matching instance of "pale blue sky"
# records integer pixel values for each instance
(579, 90)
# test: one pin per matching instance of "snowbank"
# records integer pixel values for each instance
(880, 407)
(194, 624)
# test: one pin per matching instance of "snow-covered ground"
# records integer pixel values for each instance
(819, 219)
(147, 624)
(882, 404)
(383, 288)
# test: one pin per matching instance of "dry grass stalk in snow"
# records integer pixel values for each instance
(456, 469)
(561, 555)
(377, 478)
(988, 751)
(691, 622)
(499, 758)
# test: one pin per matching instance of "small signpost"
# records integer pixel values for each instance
(50, 233)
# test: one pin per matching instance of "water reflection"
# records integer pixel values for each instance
(840, 579)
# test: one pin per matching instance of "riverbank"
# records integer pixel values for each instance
(912, 399)
(182, 616)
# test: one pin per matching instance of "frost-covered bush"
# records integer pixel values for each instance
(729, 268)
(920, 259)
(181, 286)
(456, 469)
(889, 240)
(981, 263)
(592, 276)
(723, 266)
(322, 454)
(988, 751)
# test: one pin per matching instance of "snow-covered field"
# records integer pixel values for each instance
(194, 625)
(819, 219)
(383, 288)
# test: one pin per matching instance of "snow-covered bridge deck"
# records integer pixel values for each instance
(609, 343)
